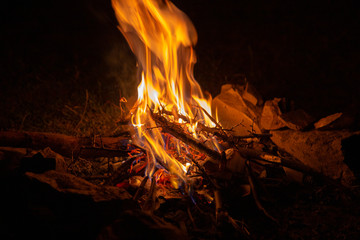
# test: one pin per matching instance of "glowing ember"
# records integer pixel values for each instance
(162, 38)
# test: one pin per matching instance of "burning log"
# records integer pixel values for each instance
(178, 132)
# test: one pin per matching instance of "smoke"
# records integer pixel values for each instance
(121, 65)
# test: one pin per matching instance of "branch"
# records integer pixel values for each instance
(179, 133)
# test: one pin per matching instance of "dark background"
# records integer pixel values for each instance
(51, 51)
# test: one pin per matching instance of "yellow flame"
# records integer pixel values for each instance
(162, 38)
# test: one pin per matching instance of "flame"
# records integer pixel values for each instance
(162, 38)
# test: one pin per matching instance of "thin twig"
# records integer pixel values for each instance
(140, 189)
(178, 132)
(219, 131)
(253, 135)
(203, 172)
(23, 121)
(191, 218)
(97, 177)
(242, 229)
(149, 204)
(85, 109)
(210, 117)
(255, 195)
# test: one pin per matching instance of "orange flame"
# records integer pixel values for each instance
(162, 38)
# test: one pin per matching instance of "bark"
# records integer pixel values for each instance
(68, 146)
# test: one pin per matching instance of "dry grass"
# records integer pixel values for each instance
(91, 118)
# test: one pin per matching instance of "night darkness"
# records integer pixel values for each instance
(306, 52)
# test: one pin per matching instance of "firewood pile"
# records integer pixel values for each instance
(280, 175)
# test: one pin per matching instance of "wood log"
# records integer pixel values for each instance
(68, 146)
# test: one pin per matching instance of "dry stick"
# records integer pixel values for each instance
(223, 135)
(149, 204)
(253, 135)
(141, 188)
(108, 165)
(94, 152)
(219, 212)
(22, 121)
(219, 131)
(222, 215)
(295, 165)
(85, 108)
(96, 177)
(247, 153)
(255, 195)
(178, 133)
(191, 218)
(243, 229)
(163, 111)
(254, 154)
(211, 118)
(203, 172)
(122, 172)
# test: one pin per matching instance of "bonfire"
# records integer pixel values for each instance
(188, 165)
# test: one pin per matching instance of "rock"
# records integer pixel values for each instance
(232, 110)
(320, 150)
(28, 160)
(270, 116)
(327, 120)
(338, 121)
(59, 160)
(350, 149)
(275, 115)
(10, 159)
(297, 119)
(235, 162)
(37, 164)
(41, 161)
(70, 184)
(249, 94)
